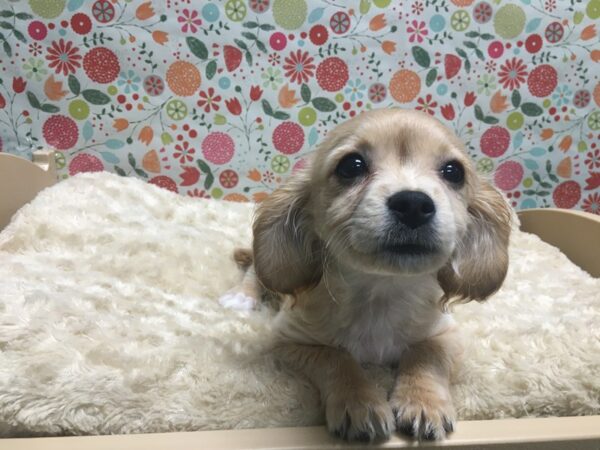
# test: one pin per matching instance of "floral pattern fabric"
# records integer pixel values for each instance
(223, 99)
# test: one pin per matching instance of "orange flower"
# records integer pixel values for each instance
(254, 175)
(160, 37)
(377, 22)
(588, 32)
(498, 103)
(144, 11)
(565, 143)
(595, 55)
(120, 124)
(388, 46)
(259, 196)
(287, 97)
(547, 133)
(146, 135)
(53, 89)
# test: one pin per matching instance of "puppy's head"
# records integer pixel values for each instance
(388, 192)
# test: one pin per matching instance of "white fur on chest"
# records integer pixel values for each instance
(374, 318)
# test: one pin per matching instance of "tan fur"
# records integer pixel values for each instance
(352, 301)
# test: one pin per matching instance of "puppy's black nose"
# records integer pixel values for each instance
(412, 208)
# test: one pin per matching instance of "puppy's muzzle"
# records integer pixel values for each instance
(412, 208)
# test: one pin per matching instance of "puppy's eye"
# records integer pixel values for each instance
(453, 172)
(351, 166)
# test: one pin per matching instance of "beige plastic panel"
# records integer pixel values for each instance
(21, 180)
(577, 234)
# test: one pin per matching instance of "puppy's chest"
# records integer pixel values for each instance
(378, 322)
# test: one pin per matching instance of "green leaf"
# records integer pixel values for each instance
(208, 180)
(19, 36)
(120, 171)
(461, 52)
(491, 120)
(536, 176)
(211, 69)
(74, 85)
(49, 108)
(241, 44)
(7, 49)
(197, 48)
(280, 115)
(141, 173)
(487, 36)
(479, 54)
(131, 160)
(543, 193)
(472, 34)
(33, 100)
(467, 65)
(23, 16)
(248, 56)
(95, 97)
(323, 104)
(261, 46)
(250, 25)
(531, 109)
(305, 93)
(6, 13)
(249, 35)
(267, 27)
(470, 44)
(6, 25)
(203, 166)
(431, 77)
(515, 98)
(267, 108)
(421, 56)
(549, 166)
(478, 112)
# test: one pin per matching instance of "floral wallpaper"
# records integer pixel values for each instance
(223, 98)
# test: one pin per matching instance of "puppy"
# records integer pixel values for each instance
(386, 225)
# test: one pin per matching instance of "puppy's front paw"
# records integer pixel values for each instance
(360, 415)
(238, 301)
(423, 410)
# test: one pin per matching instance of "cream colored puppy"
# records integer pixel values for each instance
(387, 224)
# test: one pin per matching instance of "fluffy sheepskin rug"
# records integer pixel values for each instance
(109, 323)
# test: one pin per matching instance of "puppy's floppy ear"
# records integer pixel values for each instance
(287, 251)
(480, 261)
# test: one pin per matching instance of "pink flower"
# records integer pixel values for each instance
(190, 21)
(416, 30)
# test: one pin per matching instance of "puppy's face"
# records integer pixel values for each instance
(390, 192)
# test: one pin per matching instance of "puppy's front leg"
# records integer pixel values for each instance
(421, 397)
(355, 408)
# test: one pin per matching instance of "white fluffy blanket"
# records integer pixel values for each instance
(109, 323)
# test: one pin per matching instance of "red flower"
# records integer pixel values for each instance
(209, 100)
(299, 67)
(64, 57)
(255, 93)
(512, 74)
(2, 102)
(234, 107)
(426, 104)
(470, 98)
(592, 204)
(19, 84)
(448, 111)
